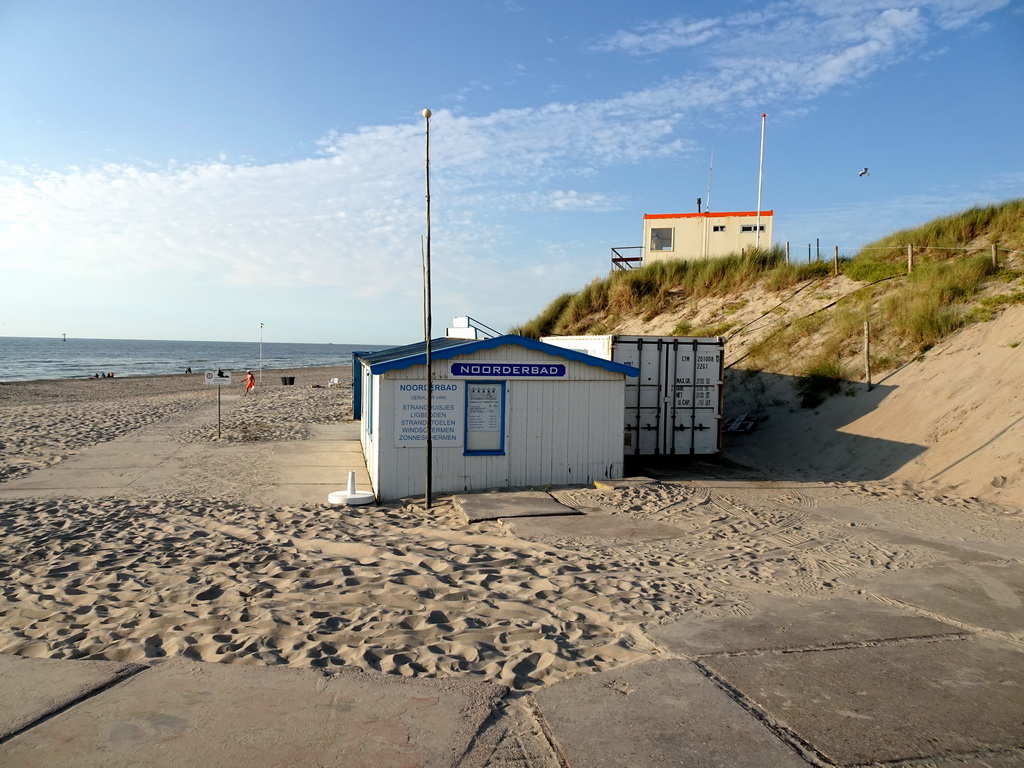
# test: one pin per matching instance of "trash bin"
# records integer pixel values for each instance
(287, 380)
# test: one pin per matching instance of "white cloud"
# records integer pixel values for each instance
(877, 44)
(658, 37)
(797, 48)
(954, 14)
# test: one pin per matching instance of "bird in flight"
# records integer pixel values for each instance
(863, 172)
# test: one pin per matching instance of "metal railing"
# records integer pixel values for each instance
(622, 262)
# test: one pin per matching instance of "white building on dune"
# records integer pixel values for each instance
(697, 235)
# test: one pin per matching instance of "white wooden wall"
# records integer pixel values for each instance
(369, 428)
(557, 432)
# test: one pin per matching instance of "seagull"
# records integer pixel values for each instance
(863, 172)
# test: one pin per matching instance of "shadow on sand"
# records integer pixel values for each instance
(788, 442)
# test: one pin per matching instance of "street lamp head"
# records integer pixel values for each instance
(427, 113)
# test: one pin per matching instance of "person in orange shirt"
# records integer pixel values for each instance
(250, 382)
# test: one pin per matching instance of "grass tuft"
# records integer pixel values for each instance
(820, 379)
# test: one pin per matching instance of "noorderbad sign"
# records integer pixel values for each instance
(509, 370)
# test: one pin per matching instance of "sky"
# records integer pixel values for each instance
(192, 170)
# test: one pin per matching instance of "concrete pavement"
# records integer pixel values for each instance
(152, 462)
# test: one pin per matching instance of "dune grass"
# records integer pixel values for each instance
(656, 288)
(972, 229)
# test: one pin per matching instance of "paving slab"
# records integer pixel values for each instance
(477, 507)
(599, 526)
(337, 458)
(116, 454)
(779, 622)
(314, 446)
(66, 476)
(1013, 758)
(988, 596)
(346, 430)
(889, 702)
(181, 714)
(959, 545)
(35, 688)
(655, 714)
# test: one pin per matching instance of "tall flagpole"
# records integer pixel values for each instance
(760, 169)
(707, 204)
(426, 326)
(261, 353)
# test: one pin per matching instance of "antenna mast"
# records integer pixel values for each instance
(760, 169)
(707, 206)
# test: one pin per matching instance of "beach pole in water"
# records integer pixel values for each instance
(426, 323)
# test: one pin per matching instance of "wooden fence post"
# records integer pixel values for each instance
(910, 259)
(835, 260)
(995, 257)
(787, 253)
(867, 352)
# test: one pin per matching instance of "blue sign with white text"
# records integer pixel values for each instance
(510, 370)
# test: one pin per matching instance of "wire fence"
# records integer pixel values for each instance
(840, 254)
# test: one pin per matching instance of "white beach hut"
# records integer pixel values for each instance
(507, 412)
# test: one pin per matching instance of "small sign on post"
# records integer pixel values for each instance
(218, 379)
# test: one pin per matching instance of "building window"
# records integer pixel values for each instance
(719, 228)
(751, 228)
(661, 239)
(485, 418)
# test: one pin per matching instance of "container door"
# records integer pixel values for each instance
(697, 396)
(644, 412)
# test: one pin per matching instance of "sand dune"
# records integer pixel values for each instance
(950, 424)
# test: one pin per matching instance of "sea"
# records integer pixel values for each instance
(30, 359)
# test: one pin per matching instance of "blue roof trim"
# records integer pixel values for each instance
(395, 353)
(445, 349)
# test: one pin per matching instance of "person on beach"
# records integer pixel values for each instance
(250, 382)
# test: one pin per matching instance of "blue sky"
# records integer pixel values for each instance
(189, 170)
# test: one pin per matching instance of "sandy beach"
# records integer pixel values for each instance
(207, 574)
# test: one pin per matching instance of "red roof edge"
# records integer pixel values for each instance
(705, 214)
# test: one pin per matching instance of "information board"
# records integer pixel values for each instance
(484, 406)
(447, 420)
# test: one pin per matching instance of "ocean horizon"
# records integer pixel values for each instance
(26, 358)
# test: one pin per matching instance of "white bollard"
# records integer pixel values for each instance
(351, 497)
